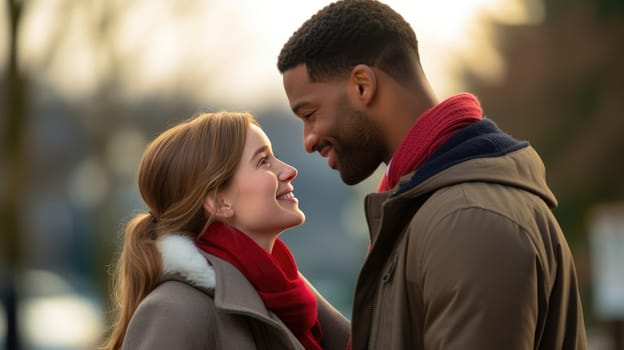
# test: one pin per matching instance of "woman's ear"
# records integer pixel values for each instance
(364, 83)
(215, 205)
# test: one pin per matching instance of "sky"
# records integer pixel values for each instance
(226, 51)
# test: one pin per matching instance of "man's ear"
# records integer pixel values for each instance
(215, 205)
(364, 83)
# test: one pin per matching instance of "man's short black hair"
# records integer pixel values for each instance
(350, 32)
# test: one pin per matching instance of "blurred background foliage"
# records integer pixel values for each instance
(86, 84)
(563, 89)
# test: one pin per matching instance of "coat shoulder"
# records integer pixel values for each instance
(173, 315)
(178, 298)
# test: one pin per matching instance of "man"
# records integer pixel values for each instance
(465, 251)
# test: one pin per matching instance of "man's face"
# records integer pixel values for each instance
(333, 127)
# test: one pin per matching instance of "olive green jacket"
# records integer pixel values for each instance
(468, 256)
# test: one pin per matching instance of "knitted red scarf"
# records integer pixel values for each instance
(432, 128)
(275, 277)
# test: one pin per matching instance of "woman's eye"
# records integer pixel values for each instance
(264, 161)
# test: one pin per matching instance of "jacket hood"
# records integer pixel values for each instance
(480, 152)
(181, 257)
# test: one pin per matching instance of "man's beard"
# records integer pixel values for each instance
(360, 149)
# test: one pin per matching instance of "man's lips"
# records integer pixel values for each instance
(324, 152)
(329, 153)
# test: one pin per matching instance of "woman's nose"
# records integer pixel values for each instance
(287, 173)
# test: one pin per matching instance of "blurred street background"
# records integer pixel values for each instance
(85, 84)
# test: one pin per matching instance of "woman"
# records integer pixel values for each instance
(204, 268)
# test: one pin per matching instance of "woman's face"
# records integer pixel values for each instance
(261, 195)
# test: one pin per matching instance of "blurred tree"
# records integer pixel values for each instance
(563, 90)
(32, 160)
(13, 146)
(86, 115)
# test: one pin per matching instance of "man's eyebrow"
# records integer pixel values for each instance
(263, 148)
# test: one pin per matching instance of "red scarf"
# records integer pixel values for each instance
(274, 276)
(434, 127)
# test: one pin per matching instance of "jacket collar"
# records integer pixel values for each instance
(232, 292)
(478, 153)
(482, 139)
(181, 258)
(522, 169)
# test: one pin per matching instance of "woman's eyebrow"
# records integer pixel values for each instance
(263, 148)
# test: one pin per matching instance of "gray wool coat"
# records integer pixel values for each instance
(204, 302)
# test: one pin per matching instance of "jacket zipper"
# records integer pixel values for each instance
(388, 275)
(374, 308)
(385, 279)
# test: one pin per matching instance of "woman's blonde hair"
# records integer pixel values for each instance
(179, 169)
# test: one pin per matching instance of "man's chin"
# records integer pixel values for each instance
(351, 179)
(354, 176)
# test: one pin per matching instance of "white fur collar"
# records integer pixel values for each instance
(181, 256)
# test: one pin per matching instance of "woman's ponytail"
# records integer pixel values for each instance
(137, 273)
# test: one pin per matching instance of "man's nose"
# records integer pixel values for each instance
(310, 139)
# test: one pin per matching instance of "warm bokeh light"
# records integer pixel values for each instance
(4, 36)
(606, 242)
(88, 184)
(104, 77)
(96, 80)
(62, 322)
(227, 50)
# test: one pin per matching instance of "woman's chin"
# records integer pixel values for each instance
(296, 221)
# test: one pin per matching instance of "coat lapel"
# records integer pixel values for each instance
(231, 291)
